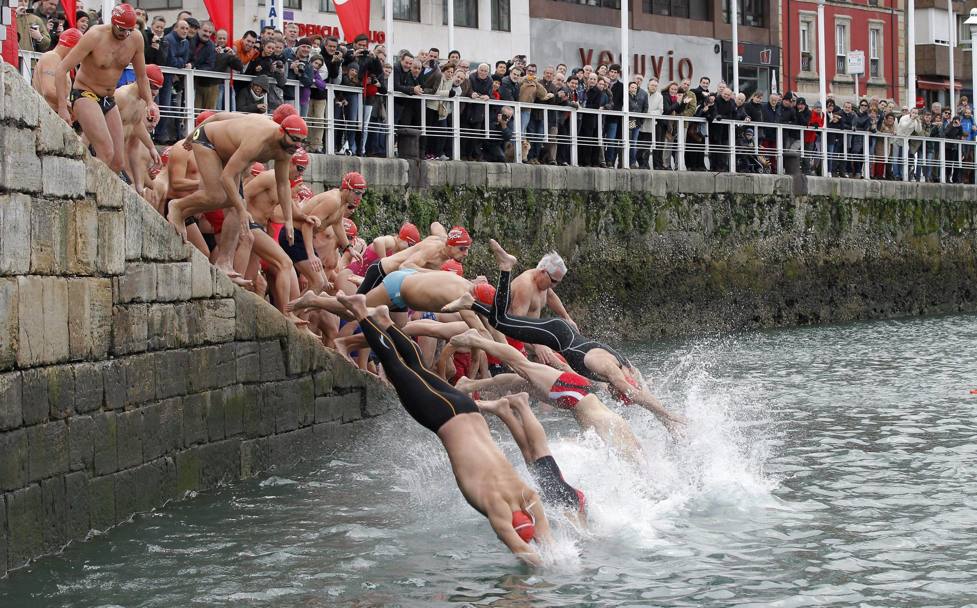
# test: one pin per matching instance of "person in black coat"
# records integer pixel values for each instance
(474, 113)
(589, 154)
(862, 123)
(722, 109)
(493, 148)
(155, 48)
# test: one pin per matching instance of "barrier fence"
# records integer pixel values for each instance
(562, 134)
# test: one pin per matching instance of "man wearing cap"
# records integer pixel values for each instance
(136, 127)
(102, 53)
(224, 150)
(254, 99)
(329, 208)
(46, 68)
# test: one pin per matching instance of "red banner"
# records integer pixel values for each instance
(222, 14)
(354, 17)
(70, 12)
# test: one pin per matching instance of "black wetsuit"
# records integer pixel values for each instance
(554, 489)
(554, 333)
(426, 396)
(371, 278)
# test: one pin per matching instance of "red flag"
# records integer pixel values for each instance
(70, 12)
(354, 17)
(222, 14)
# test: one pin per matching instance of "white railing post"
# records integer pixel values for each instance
(681, 143)
(867, 168)
(189, 98)
(574, 152)
(456, 129)
(732, 148)
(329, 129)
(517, 135)
(942, 161)
(780, 151)
(823, 136)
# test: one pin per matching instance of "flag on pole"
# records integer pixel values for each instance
(70, 12)
(221, 13)
(354, 17)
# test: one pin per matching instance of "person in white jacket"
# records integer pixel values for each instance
(649, 126)
(908, 126)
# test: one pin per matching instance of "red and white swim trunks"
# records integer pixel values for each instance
(568, 390)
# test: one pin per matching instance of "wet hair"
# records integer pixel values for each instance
(552, 263)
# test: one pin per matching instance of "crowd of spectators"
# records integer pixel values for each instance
(317, 63)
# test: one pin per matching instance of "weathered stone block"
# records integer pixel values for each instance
(129, 438)
(111, 242)
(55, 522)
(20, 168)
(338, 408)
(105, 441)
(272, 361)
(89, 318)
(284, 396)
(213, 321)
(114, 379)
(79, 511)
(43, 311)
(259, 419)
(134, 490)
(25, 513)
(171, 425)
(188, 463)
(160, 242)
(201, 279)
(138, 284)
(223, 286)
(36, 406)
(202, 363)
(49, 236)
(305, 393)
(82, 237)
(171, 373)
(132, 208)
(248, 362)
(63, 177)
(110, 190)
(269, 322)
(101, 497)
(11, 406)
(323, 382)
(61, 390)
(15, 233)
(245, 304)
(13, 465)
(173, 281)
(130, 329)
(225, 365)
(48, 450)
(9, 322)
(51, 132)
(80, 451)
(298, 351)
(195, 418)
(220, 461)
(140, 379)
(235, 397)
(168, 326)
(89, 392)
(215, 415)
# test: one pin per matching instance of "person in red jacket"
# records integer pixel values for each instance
(812, 137)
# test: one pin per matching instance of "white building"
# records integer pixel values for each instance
(484, 29)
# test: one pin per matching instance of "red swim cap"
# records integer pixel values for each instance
(165, 156)
(304, 192)
(203, 116)
(124, 16)
(257, 169)
(459, 237)
(524, 525)
(153, 73)
(350, 227)
(69, 38)
(454, 266)
(295, 125)
(353, 181)
(484, 293)
(410, 233)
(300, 158)
(282, 112)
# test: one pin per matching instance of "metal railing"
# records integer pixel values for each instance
(573, 136)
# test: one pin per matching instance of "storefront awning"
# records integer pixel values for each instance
(937, 85)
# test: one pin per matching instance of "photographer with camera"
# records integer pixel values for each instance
(299, 68)
(493, 148)
(156, 48)
(32, 31)
(370, 71)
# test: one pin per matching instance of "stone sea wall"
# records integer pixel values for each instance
(131, 370)
(659, 253)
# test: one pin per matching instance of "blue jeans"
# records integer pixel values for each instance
(611, 151)
(634, 146)
(165, 98)
(534, 126)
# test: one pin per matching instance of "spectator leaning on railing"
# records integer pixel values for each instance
(156, 48)
(254, 99)
(177, 56)
(203, 56)
(226, 60)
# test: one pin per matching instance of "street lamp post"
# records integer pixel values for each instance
(951, 25)
(972, 22)
(822, 74)
(734, 19)
(911, 53)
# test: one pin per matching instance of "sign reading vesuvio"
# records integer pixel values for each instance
(664, 56)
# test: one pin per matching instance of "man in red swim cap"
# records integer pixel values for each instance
(484, 476)
(46, 67)
(224, 151)
(102, 53)
(139, 144)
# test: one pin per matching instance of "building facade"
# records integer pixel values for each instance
(875, 27)
(485, 30)
(670, 39)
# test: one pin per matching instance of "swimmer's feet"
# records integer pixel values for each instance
(174, 217)
(465, 385)
(506, 260)
(306, 300)
(468, 339)
(519, 400)
(382, 315)
(463, 303)
(355, 303)
(499, 407)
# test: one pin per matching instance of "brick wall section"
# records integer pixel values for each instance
(131, 370)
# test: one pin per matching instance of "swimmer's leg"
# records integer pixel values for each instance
(503, 384)
(537, 445)
(503, 411)
(540, 376)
